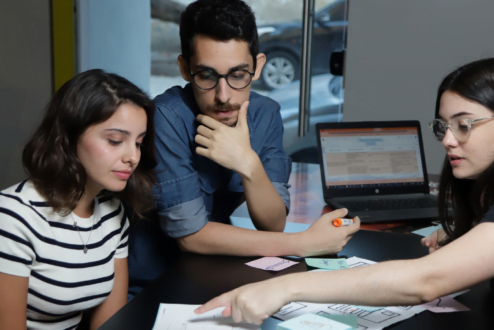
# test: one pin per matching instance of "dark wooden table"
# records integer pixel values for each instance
(194, 279)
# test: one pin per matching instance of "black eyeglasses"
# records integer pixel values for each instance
(209, 79)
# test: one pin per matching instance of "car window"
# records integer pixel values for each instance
(338, 12)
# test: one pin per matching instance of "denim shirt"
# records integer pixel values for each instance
(193, 189)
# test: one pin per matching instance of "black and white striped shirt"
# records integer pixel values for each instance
(38, 243)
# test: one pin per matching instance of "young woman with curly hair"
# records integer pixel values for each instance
(64, 230)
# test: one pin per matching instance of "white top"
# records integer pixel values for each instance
(38, 243)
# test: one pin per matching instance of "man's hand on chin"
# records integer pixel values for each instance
(228, 146)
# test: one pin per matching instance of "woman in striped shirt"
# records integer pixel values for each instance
(63, 232)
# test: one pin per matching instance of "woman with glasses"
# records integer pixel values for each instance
(464, 126)
(64, 231)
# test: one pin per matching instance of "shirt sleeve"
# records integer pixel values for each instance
(16, 250)
(273, 157)
(123, 246)
(179, 198)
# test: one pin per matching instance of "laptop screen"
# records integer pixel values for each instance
(371, 157)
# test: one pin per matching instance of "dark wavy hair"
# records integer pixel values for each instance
(463, 202)
(220, 20)
(50, 156)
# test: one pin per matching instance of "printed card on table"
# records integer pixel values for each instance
(445, 305)
(271, 263)
(327, 264)
(350, 320)
(182, 317)
(311, 322)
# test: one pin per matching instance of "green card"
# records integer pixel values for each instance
(329, 264)
(350, 320)
(313, 321)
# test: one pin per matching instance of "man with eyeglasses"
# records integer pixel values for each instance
(219, 144)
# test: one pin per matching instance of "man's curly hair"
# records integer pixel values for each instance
(220, 20)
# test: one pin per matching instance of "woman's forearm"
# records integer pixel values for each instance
(385, 284)
(404, 282)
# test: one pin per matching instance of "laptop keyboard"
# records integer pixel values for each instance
(388, 204)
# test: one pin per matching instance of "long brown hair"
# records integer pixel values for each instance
(463, 202)
(50, 156)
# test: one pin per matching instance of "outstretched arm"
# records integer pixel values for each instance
(230, 147)
(405, 282)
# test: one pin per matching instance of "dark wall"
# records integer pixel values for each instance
(25, 79)
(398, 51)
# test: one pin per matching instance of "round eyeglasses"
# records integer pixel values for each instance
(209, 79)
(460, 127)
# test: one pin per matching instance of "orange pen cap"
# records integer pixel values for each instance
(339, 222)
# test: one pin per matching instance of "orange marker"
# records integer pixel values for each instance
(338, 222)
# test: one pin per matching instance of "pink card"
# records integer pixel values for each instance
(271, 263)
(445, 305)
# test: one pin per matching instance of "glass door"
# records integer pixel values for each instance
(280, 38)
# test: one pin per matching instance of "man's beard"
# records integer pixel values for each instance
(213, 108)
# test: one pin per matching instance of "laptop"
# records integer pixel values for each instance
(376, 170)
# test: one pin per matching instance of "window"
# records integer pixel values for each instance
(280, 38)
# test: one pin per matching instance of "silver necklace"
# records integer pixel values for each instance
(85, 244)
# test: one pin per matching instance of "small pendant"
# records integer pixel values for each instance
(85, 250)
(75, 224)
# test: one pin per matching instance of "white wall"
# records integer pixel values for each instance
(115, 36)
(25, 79)
(398, 51)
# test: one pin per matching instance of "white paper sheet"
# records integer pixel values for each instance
(375, 320)
(445, 305)
(182, 317)
(368, 318)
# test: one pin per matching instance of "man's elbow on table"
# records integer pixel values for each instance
(279, 227)
(276, 226)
